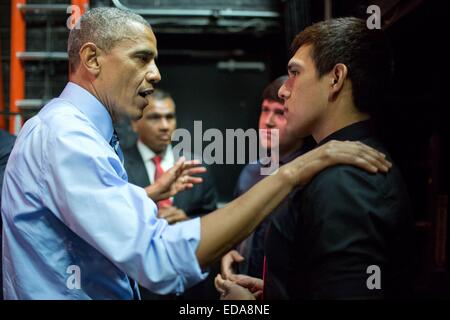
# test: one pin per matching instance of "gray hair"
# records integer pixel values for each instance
(102, 26)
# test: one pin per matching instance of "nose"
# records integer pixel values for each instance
(270, 123)
(164, 124)
(283, 92)
(153, 75)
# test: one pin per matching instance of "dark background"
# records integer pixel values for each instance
(413, 121)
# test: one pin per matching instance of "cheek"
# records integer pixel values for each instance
(146, 130)
(262, 121)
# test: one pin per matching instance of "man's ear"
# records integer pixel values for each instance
(89, 54)
(337, 78)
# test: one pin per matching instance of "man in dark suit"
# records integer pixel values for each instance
(6, 145)
(154, 132)
(152, 154)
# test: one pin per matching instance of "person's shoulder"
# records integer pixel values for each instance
(131, 150)
(351, 180)
(6, 138)
(251, 173)
(60, 118)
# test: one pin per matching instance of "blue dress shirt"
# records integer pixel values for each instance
(74, 228)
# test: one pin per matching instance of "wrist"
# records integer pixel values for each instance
(291, 173)
(151, 191)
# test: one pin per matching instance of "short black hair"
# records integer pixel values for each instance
(271, 91)
(365, 52)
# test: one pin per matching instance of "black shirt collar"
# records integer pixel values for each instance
(356, 131)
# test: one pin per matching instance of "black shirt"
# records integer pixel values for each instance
(344, 221)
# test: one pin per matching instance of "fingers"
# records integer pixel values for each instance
(251, 283)
(178, 166)
(191, 180)
(192, 171)
(358, 154)
(237, 257)
(177, 217)
(376, 158)
(218, 283)
(172, 214)
(226, 265)
(258, 295)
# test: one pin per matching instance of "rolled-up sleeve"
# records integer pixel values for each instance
(87, 189)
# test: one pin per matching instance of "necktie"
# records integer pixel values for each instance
(158, 173)
(116, 146)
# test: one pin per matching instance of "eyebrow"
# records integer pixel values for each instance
(295, 64)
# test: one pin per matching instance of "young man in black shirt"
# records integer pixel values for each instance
(348, 232)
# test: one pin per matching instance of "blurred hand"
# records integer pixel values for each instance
(227, 262)
(230, 290)
(176, 179)
(172, 214)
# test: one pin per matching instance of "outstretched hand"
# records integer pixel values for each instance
(176, 179)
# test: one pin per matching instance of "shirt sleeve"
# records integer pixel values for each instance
(87, 190)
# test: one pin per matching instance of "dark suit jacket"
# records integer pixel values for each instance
(344, 221)
(199, 200)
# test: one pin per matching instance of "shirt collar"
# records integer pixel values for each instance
(148, 154)
(91, 107)
(356, 131)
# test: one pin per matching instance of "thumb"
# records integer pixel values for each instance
(237, 256)
(227, 285)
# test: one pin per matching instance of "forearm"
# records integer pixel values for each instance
(222, 229)
(226, 227)
(153, 192)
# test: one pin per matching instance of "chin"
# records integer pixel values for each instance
(135, 115)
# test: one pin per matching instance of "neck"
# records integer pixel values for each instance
(88, 85)
(342, 117)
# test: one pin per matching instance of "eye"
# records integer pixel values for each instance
(293, 73)
(279, 112)
(154, 117)
(144, 58)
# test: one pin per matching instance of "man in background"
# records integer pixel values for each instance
(153, 153)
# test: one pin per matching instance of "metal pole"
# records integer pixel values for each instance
(17, 74)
